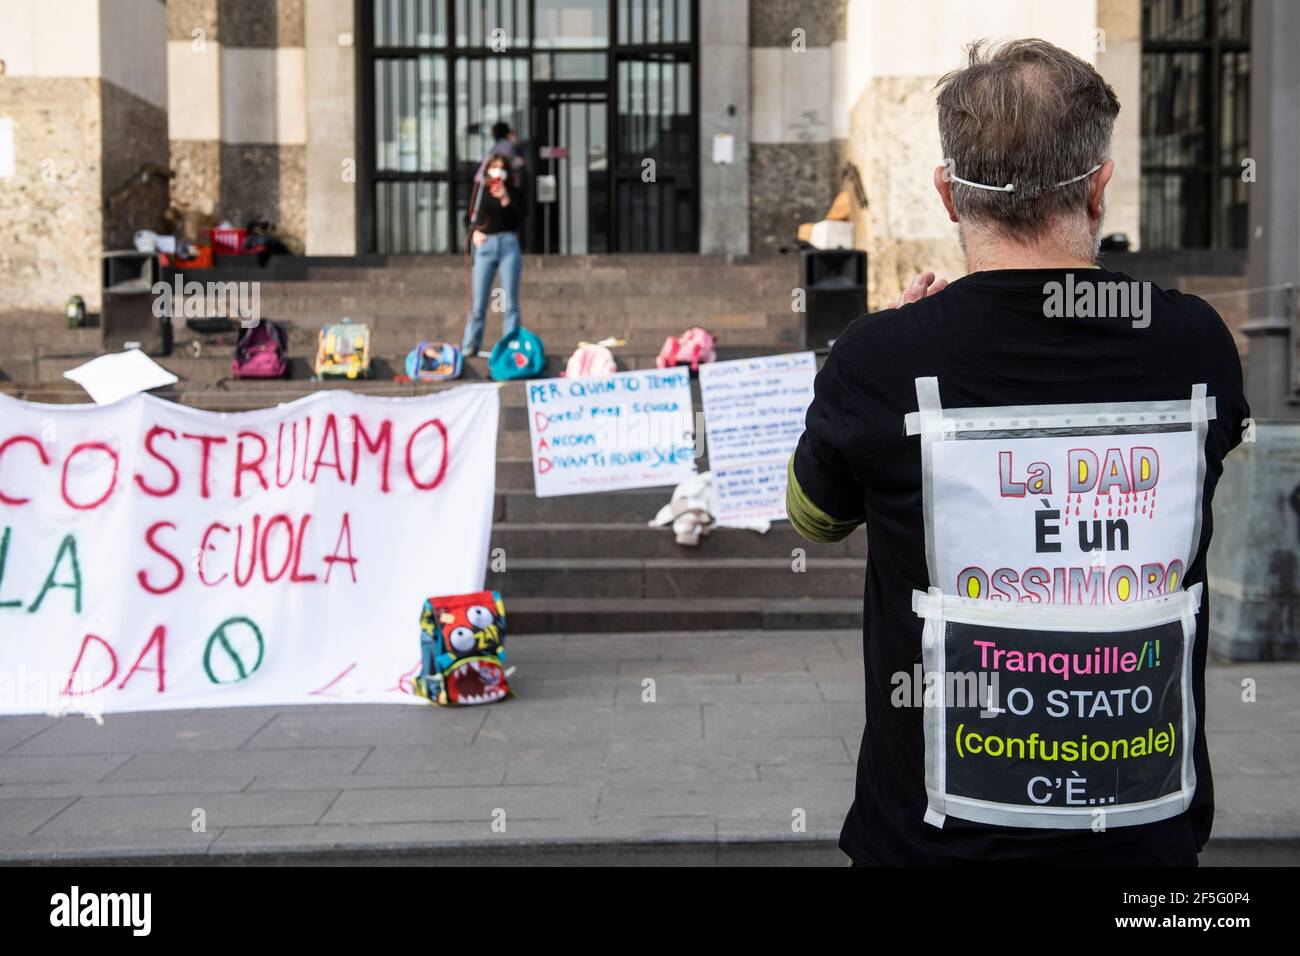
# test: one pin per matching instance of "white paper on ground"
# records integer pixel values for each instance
(119, 375)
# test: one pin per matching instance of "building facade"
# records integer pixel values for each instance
(710, 126)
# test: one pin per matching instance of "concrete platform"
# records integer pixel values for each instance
(746, 727)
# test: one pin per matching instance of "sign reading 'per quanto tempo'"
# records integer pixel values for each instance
(630, 430)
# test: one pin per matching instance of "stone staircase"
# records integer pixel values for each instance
(585, 563)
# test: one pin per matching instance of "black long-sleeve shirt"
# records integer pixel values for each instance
(494, 217)
(992, 344)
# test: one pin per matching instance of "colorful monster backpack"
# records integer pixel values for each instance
(462, 649)
(518, 355)
(433, 362)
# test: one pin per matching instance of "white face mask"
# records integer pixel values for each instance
(1010, 187)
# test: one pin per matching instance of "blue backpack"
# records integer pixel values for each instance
(433, 362)
(517, 355)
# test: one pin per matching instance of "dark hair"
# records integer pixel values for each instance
(1028, 113)
(500, 130)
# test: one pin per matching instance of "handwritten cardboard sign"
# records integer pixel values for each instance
(754, 414)
(154, 556)
(631, 430)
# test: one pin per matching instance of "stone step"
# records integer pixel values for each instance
(582, 304)
(414, 321)
(722, 297)
(632, 540)
(558, 314)
(649, 270)
(630, 849)
(394, 330)
(632, 579)
(514, 474)
(549, 615)
(212, 366)
(523, 507)
(211, 370)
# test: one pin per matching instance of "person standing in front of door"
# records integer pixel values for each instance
(495, 220)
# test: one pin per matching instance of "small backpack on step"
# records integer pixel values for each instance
(433, 362)
(592, 360)
(463, 649)
(517, 355)
(344, 351)
(692, 347)
(260, 351)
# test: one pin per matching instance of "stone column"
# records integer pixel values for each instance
(331, 128)
(1119, 60)
(83, 104)
(238, 113)
(1272, 381)
(791, 157)
(1254, 561)
(724, 108)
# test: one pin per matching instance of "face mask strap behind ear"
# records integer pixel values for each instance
(1010, 187)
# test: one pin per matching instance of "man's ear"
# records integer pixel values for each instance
(944, 185)
(1097, 189)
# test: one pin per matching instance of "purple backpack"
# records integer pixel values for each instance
(260, 352)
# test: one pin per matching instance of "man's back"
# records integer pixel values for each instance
(996, 339)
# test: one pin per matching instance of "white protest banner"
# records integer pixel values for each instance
(754, 413)
(155, 556)
(630, 430)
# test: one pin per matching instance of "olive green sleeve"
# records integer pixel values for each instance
(808, 519)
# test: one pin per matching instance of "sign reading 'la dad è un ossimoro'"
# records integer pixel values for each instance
(155, 556)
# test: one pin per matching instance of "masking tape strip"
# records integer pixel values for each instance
(1201, 410)
(1190, 610)
(930, 415)
(1121, 416)
(929, 605)
(1098, 618)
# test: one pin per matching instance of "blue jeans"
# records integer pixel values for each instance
(499, 250)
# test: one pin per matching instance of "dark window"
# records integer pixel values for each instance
(601, 95)
(1195, 123)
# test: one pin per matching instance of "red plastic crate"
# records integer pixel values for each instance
(228, 242)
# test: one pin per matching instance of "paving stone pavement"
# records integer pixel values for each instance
(745, 727)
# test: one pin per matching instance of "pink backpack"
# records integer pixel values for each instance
(592, 360)
(260, 352)
(695, 345)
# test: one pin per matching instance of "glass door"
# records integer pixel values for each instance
(570, 189)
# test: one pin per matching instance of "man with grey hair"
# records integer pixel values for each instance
(1093, 407)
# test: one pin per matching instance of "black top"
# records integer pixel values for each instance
(493, 217)
(989, 341)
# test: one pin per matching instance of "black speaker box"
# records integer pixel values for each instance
(835, 293)
(127, 317)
